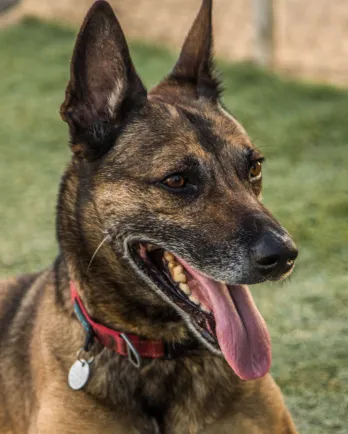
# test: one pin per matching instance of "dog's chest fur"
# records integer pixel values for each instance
(166, 390)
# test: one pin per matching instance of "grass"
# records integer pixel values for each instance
(303, 131)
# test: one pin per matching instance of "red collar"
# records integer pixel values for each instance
(129, 345)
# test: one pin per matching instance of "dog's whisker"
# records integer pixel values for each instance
(107, 238)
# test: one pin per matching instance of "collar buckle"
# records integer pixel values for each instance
(133, 355)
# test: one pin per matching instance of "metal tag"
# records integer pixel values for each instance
(79, 374)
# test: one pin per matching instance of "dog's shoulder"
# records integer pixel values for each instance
(18, 295)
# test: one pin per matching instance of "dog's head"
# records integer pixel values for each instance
(174, 183)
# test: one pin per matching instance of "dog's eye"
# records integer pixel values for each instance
(175, 181)
(255, 171)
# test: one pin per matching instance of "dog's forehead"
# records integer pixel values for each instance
(169, 132)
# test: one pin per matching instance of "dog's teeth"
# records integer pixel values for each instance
(194, 299)
(205, 309)
(168, 257)
(178, 269)
(180, 278)
(185, 288)
(171, 265)
(178, 274)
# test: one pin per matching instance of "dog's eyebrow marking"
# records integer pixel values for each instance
(204, 128)
(188, 163)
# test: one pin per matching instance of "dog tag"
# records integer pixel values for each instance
(79, 374)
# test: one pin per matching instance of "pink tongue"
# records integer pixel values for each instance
(241, 331)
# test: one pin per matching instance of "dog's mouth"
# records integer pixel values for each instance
(224, 316)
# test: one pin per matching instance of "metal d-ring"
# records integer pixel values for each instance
(83, 361)
(133, 355)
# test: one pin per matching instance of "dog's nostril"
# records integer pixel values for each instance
(292, 255)
(267, 261)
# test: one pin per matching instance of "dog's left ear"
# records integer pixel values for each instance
(195, 70)
(104, 86)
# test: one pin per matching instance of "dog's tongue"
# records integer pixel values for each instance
(241, 331)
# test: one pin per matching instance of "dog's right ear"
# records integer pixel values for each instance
(104, 86)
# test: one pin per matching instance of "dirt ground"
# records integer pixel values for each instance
(311, 38)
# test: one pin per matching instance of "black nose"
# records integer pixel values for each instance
(274, 254)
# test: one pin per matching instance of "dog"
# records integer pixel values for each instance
(145, 323)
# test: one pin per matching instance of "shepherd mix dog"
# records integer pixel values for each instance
(144, 323)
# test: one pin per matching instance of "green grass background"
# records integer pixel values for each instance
(303, 131)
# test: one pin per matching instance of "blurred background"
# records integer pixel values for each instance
(305, 38)
(284, 64)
